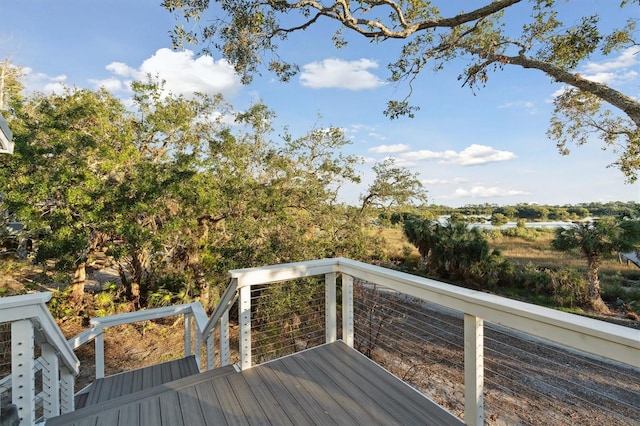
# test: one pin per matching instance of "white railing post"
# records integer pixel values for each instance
(331, 320)
(473, 370)
(225, 352)
(187, 335)
(245, 327)
(210, 351)
(50, 381)
(67, 382)
(99, 346)
(22, 371)
(347, 309)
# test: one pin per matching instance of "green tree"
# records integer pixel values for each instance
(421, 233)
(498, 219)
(488, 37)
(66, 148)
(393, 186)
(595, 240)
(10, 83)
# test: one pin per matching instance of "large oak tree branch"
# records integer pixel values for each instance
(625, 103)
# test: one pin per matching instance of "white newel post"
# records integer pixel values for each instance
(23, 383)
(187, 335)
(211, 351)
(225, 352)
(197, 347)
(347, 309)
(50, 381)
(331, 320)
(245, 327)
(473, 370)
(99, 346)
(67, 399)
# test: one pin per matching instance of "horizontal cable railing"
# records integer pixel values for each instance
(417, 327)
(527, 381)
(286, 318)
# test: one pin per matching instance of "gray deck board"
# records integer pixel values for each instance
(329, 384)
(129, 382)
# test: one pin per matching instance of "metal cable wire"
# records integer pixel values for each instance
(397, 318)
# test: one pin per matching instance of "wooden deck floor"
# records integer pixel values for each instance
(129, 382)
(329, 384)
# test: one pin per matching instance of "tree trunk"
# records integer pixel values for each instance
(202, 283)
(595, 292)
(79, 279)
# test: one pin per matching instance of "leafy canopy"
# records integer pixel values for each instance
(501, 33)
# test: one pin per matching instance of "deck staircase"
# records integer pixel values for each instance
(129, 382)
(134, 397)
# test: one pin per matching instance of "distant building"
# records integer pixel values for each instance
(6, 137)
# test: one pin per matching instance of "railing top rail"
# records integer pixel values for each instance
(590, 335)
(283, 272)
(225, 301)
(144, 315)
(20, 301)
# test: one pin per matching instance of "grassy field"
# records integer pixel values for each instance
(521, 251)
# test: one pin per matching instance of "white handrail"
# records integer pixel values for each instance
(606, 340)
(32, 323)
(33, 307)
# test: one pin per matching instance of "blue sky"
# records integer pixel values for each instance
(487, 147)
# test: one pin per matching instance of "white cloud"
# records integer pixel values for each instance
(43, 82)
(111, 84)
(627, 59)
(390, 149)
(618, 70)
(121, 69)
(526, 105)
(473, 155)
(183, 73)
(613, 77)
(377, 136)
(454, 181)
(480, 191)
(337, 73)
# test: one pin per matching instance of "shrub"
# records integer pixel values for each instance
(568, 287)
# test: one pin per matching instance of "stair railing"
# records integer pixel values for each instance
(33, 325)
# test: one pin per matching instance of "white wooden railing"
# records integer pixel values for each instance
(191, 311)
(31, 325)
(32, 322)
(610, 341)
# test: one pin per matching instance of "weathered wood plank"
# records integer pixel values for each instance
(357, 390)
(349, 404)
(293, 403)
(149, 412)
(250, 406)
(190, 407)
(170, 409)
(232, 411)
(322, 400)
(329, 384)
(398, 392)
(271, 405)
(210, 404)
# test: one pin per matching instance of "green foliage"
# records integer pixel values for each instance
(568, 287)
(528, 234)
(60, 305)
(484, 38)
